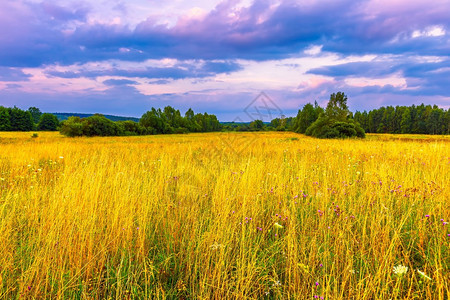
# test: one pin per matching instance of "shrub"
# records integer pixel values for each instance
(48, 122)
(72, 127)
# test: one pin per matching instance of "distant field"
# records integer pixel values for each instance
(268, 215)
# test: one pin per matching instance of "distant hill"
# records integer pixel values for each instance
(65, 116)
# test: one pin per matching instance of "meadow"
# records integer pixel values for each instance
(269, 215)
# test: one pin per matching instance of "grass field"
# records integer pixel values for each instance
(224, 216)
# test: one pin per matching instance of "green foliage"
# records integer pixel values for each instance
(48, 122)
(20, 120)
(306, 116)
(5, 123)
(155, 121)
(131, 128)
(72, 127)
(35, 114)
(98, 125)
(335, 122)
(337, 108)
(257, 125)
(34, 135)
(422, 119)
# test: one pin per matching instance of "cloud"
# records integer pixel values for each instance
(179, 70)
(13, 74)
(227, 53)
(118, 82)
(44, 33)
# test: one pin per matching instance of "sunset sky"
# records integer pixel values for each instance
(124, 57)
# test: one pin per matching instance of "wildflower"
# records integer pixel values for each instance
(276, 283)
(423, 275)
(400, 270)
(317, 284)
(427, 216)
(277, 226)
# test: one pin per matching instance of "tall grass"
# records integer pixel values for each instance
(192, 216)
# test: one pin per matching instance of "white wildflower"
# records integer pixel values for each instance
(400, 270)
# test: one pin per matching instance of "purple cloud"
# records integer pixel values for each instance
(42, 37)
(13, 74)
(259, 32)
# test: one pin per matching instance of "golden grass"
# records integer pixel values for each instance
(192, 217)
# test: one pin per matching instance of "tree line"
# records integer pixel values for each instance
(154, 121)
(421, 119)
(16, 119)
(334, 121)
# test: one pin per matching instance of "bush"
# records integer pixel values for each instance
(130, 128)
(48, 122)
(72, 127)
(98, 125)
(336, 121)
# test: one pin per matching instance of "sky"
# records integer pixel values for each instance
(224, 57)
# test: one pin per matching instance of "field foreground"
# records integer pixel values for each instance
(224, 216)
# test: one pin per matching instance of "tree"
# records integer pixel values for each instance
(98, 125)
(131, 128)
(335, 122)
(305, 118)
(48, 122)
(337, 108)
(152, 122)
(35, 114)
(72, 127)
(257, 125)
(405, 124)
(20, 120)
(434, 121)
(5, 123)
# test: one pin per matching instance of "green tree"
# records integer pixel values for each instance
(306, 116)
(337, 108)
(20, 120)
(5, 123)
(48, 122)
(35, 113)
(131, 128)
(257, 125)
(72, 127)
(335, 122)
(405, 124)
(434, 121)
(99, 125)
